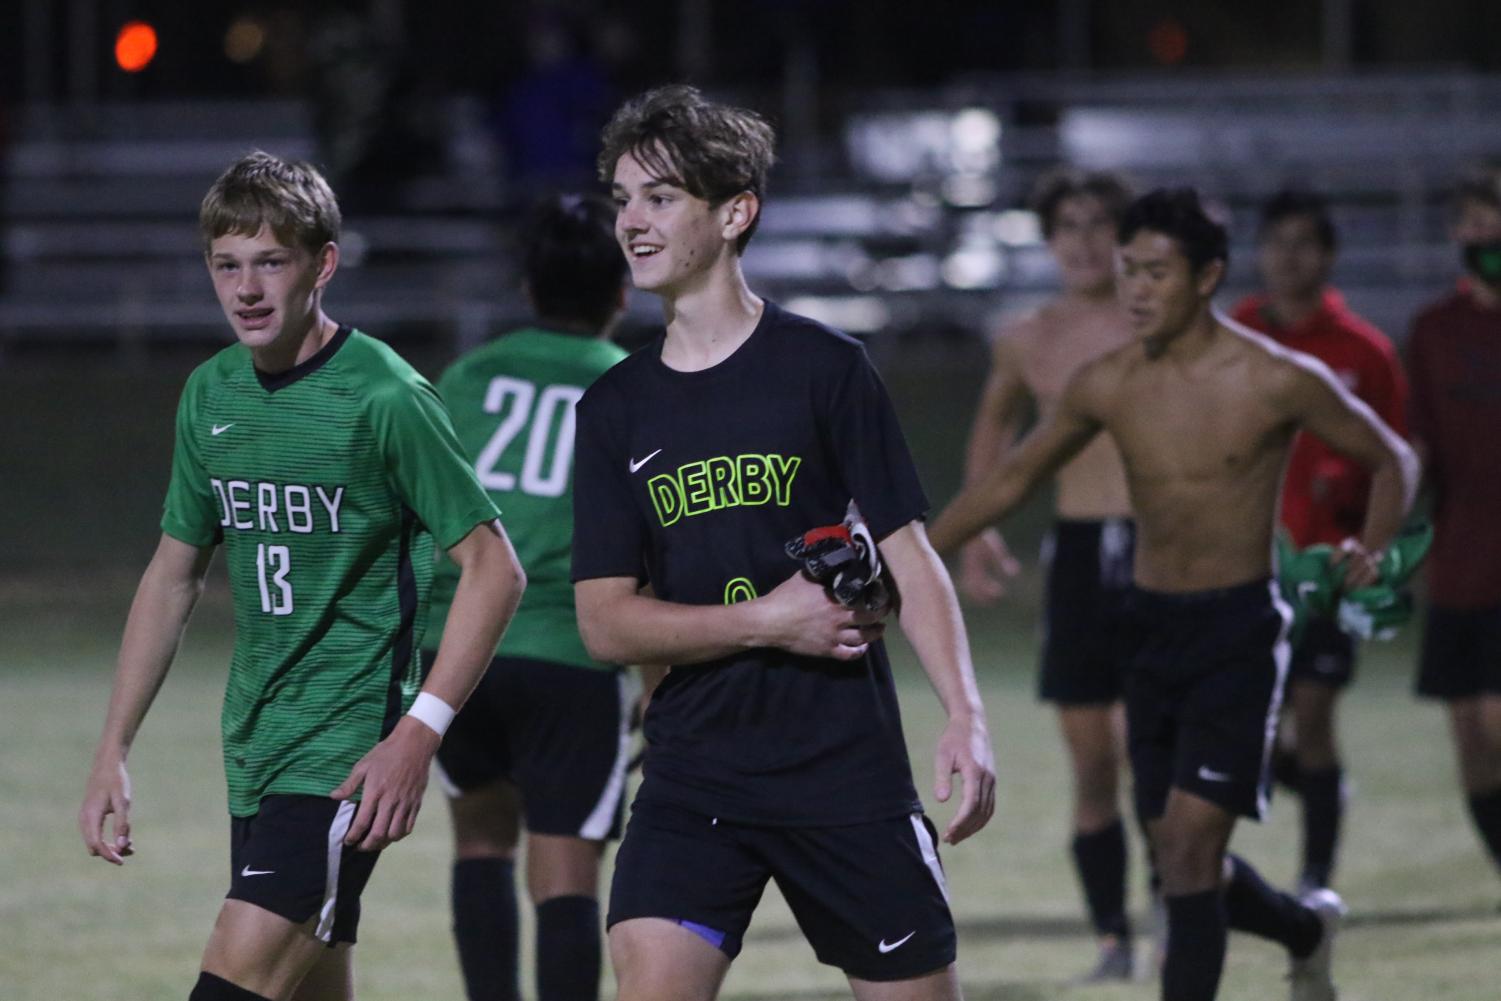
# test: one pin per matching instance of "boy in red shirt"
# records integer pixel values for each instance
(1324, 494)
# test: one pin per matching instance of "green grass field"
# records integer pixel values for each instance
(1424, 923)
(80, 513)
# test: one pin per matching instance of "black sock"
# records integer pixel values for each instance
(1323, 809)
(1196, 936)
(1285, 769)
(1485, 810)
(485, 927)
(568, 949)
(1253, 906)
(212, 988)
(1100, 859)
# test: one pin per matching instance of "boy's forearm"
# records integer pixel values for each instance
(634, 629)
(932, 622)
(159, 613)
(989, 439)
(488, 592)
(1393, 489)
(978, 506)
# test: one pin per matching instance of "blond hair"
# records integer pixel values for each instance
(258, 190)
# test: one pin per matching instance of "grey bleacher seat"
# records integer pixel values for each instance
(99, 202)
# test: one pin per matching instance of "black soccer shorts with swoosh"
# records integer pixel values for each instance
(290, 859)
(870, 898)
(1203, 694)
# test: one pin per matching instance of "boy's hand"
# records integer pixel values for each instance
(108, 792)
(394, 777)
(964, 747)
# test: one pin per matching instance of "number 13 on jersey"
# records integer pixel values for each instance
(271, 566)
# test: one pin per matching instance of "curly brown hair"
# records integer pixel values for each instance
(1056, 186)
(712, 151)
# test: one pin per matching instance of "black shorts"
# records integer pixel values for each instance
(290, 859)
(560, 733)
(1461, 653)
(870, 898)
(1203, 695)
(1325, 654)
(1089, 577)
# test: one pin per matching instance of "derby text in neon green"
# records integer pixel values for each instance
(723, 482)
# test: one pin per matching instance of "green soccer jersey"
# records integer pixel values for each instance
(327, 486)
(512, 404)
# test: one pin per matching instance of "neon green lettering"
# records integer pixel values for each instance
(755, 488)
(739, 589)
(782, 470)
(723, 490)
(666, 497)
(696, 496)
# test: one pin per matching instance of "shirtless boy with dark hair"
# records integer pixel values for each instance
(1204, 414)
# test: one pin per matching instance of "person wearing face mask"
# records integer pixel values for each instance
(1324, 494)
(1454, 362)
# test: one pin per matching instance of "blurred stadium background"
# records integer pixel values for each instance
(910, 136)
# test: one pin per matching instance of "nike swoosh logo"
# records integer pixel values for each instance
(885, 947)
(637, 465)
(219, 429)
(247, 871)
(1210, 775)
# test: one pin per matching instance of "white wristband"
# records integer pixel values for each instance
(432, 711)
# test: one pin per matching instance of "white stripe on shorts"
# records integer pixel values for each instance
(930, 854)
(449, 787)
(597, 825)
(343, 817)
(1282, 652)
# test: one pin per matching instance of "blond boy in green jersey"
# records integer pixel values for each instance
(327, 469)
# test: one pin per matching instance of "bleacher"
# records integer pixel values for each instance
(909, 225)
(100, 235)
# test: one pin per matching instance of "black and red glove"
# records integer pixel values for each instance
(844, 558)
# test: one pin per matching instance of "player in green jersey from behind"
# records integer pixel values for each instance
(327, 469)
(543, 743)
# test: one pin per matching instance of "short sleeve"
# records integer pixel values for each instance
(425, 463)
(870, 451)
(609, 533)
(444, 385)
(191, 513)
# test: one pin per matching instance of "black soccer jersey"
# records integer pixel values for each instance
(694, 481)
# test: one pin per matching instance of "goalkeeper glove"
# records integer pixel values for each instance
(845, 560)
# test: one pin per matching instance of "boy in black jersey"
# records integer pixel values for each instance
(775, 748)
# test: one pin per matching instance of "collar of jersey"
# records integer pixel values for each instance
(281, 380)
(729, 366)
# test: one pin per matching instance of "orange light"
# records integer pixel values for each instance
(1168, 41)
(135, 46)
